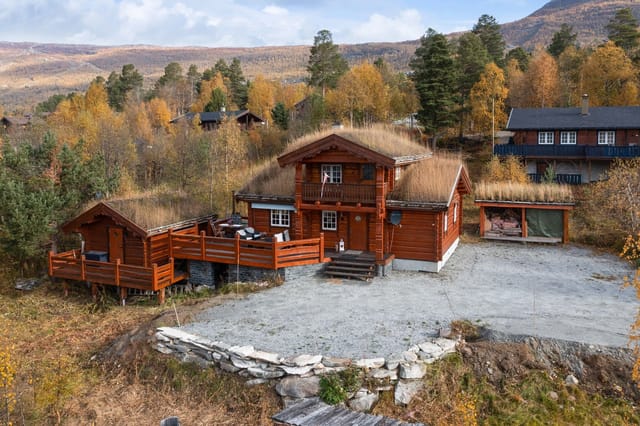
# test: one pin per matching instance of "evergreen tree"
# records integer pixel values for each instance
(471, 59)
(623, 30)
(521, 56)
(119, 86)
(435, 80)
(488, 29)
(562, 39)
(280, 116)
(238, 84)
(217, 102)
(326, 65)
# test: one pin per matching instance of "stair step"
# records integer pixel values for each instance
(364, 269)
(352, 263)
(364, 277)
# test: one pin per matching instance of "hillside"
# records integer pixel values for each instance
(30, 73)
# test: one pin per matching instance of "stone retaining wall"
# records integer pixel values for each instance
(298, 376)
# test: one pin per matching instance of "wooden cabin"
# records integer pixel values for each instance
(366, 190)
(212, 120)
(126, 244)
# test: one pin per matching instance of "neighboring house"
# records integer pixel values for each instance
(579, 143)
(367, 190)
(126, 244)
(212, 120)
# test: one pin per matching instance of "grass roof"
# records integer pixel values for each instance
(271, 179)
(386, 140)
(523, 192)
(429, 181)
(151, 211)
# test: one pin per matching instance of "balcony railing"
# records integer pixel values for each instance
(569, 179)
(334, 192)
(568, 151)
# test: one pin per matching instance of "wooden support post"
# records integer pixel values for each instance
(482, 219)
(169, 235)
(50, 263)
(523, 223)
(65, 288)
(83, 275)
(274, 255)
(118, 272)
(161, 296)
(173, 270)
(154, 277)
(298, 226)
(94, 291)
(321, 248)
(237, 249)
(565, 226)
(203, 252)
(123, 295)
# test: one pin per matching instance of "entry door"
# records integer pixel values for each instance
(116, 244)
(358, 235)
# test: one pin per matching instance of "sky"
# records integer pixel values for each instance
(243, 23)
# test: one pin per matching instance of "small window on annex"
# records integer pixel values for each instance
(446, 222)
(545, 138)
(567, 138)
(368, 171)
(280, 218)
(329, 221)
(331, 173)
(607, 137)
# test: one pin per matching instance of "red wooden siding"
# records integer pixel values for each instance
(415, 238)
(584, 137)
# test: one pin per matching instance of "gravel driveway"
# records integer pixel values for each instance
(560, 292)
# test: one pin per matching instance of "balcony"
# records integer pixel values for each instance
(569, 179)
(334, 192)
(585, 152)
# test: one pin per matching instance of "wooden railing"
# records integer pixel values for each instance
(256, 253)
(72, 265)
(569, 179)
(333, 192)
(568, 151)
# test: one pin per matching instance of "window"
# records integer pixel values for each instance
(545, 138)
(368, 172)
(329, 221)
(280, 218)
(332, 173)
(397, 173)
(446, 222)
(455, 212)
(607, 137)
(567, 138)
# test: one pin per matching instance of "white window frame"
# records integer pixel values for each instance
(397, 173)
(334, 171)
(329, 220)
(606, 137)
(568, 138)
(455, 213)
(545, 138)
(280, 218)
(446, 222)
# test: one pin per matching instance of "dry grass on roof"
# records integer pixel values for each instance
(386, 140)
(429, 181)
(523, 192)
(151, 211)
(271, 179)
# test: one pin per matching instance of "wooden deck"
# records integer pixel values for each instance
(313, 412)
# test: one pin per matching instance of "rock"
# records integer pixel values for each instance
(410, 356)
(27, 284)
(302, 360)
(256, 382)
(448, 346)
(162, 349)
(176, 347)
(413, 348)
(445, 333)
(363, 401)
(321, 369)
(176, 334)
(571, 380)
(229, 368)
(381, 374)
(161, 337)
(263, 373)
(406, 390)
(430, 350)
(370, 362)
(296, 371)
(393, 361)
(553, 395)
(269, 357)
(412, 370)
(241, 351)
(298, 387)
(329, 361)
(219, 346)
(243, 363)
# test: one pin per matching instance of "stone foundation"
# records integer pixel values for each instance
(298, 376)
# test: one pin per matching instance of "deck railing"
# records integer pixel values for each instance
(74, 266)
(256, 253)
(569, 179)
(568, 151)
(334, 192)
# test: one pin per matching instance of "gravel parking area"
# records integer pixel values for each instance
(568, 293)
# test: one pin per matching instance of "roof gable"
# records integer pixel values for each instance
(218, 116)
(103, 209)
(572, 118)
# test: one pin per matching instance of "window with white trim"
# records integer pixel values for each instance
(332, 173)
(607, 137)
(280, 218)
(329, 220)
(567, 138)
(455, 212)
(545, 138)
(446, 222)
(397, 173)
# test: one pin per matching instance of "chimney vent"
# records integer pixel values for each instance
(585, 105)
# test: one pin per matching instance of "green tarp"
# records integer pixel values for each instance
(544, 223)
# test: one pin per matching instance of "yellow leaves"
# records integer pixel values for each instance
(261, 97)
(8, 372)
(609, 77)
(543, 81)
(487, 98)
(206, 89)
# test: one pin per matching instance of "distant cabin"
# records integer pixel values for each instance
(211, 120)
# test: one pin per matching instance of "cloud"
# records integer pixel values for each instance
(407, 25)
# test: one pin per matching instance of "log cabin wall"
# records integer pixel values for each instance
(96, 237)
(454, 224)
(260, 220)
(583, 137)
(415, 237)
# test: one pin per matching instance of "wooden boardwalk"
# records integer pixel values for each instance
(313, 412)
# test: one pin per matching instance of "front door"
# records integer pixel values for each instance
(116, 244)
(358, 235)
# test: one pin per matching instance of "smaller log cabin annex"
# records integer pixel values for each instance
(373, 190)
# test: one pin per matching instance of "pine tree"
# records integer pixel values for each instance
(562, 39)
(434, 75)
(280, 116)
(488, 29)
(623, 30)
(326, 65)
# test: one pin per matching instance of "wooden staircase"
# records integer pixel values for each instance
(352, 265)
